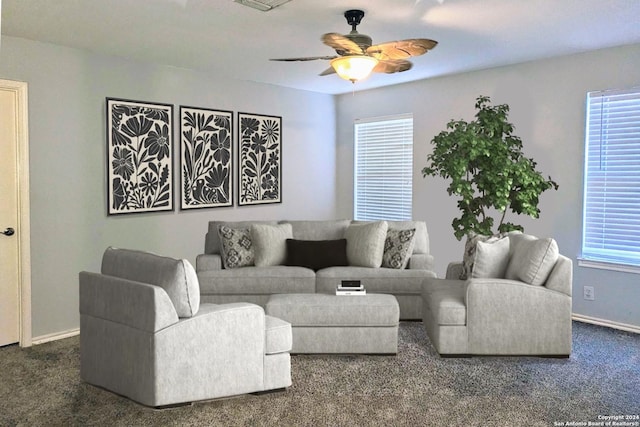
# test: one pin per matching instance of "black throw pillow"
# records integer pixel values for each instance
(316, 254)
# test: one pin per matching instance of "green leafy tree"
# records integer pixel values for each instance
(487, 169)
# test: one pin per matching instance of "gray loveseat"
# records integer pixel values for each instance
(145, 335)
(257, 283)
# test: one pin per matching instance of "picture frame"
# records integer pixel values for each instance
(139, 156)
(259, 159)
(206, 158)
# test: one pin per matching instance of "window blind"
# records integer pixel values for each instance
(383, 181)
(611, 222)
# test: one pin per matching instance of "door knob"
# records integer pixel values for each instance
(9, 232)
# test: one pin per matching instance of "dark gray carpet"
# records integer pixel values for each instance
(41, 386)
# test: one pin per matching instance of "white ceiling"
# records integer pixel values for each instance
(227, 39)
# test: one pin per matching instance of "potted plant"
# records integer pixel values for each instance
(488, 171)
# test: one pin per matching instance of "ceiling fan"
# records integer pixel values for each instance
(356, 57)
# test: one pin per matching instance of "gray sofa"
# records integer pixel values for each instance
(145, 335)
(518, 304)
(255, 284)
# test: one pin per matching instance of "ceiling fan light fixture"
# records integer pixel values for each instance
(262, 5)
(354, 67)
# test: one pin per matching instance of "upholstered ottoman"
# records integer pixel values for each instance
(324, 323)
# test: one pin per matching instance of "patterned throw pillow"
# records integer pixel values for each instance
(398, 247)
(237, 247)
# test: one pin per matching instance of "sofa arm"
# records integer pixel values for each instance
(512, 317)
(420, 262)
(454, 270)
(135, 304)
(218, 352)
(208, 262)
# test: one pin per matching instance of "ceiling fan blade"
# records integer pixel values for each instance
(401, 49)
(341, 44)
(389, 66)
(328, 71)
(308, 58)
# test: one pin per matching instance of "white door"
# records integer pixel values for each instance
(12, 143)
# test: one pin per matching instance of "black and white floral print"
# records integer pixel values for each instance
(260, 175)
(139, 139)
(206, 157)
(397, 248)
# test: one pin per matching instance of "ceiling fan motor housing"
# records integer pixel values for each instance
(354, 17)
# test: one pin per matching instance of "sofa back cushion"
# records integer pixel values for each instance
(176, 276)
(212, 240)
(318, 230)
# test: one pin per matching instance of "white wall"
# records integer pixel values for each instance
(547, 100)
(70, 227)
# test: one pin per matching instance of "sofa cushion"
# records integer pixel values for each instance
(533, 260)
(277, 279)
(269, 243)
(278, 336)
(176, 276)
(319, 230)
(237, 247)
(365, 243)
(316, 254)
(491, 258)
(398, 247)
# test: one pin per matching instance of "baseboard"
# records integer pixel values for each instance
(55, 336)
(607, 323)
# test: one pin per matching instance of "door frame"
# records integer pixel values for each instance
(23, 227)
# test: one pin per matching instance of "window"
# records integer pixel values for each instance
(383, 168)
(611, 214)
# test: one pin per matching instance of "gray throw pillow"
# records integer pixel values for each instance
(270, 243)
(491, 258)
(398, 247)
(237, 247)
(532, 260)
(365, 244)
(470, 252)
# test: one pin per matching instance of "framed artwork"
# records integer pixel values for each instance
(260, 159)
(206, 158)
(139, 156)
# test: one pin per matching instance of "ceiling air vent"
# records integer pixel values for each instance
(263, 5)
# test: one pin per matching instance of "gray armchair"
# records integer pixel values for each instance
(144, 335)
(519, 314)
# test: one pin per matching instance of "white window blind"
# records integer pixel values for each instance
(611, 222)
(383, 168)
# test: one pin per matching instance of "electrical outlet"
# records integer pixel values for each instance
(589, 293)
